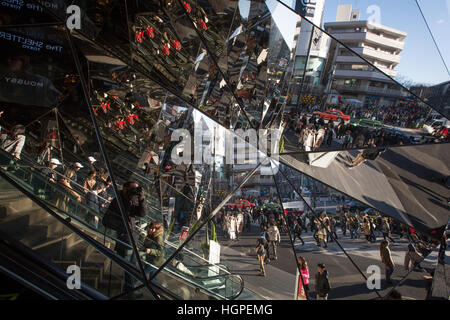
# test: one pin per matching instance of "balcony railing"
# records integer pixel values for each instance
(367, 74)
(369, 37)
(372, 90)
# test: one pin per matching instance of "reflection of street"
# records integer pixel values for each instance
(291, 139)
(346, 282)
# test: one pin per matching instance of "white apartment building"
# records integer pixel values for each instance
(380, 45)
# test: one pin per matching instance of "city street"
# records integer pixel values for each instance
(346, 282)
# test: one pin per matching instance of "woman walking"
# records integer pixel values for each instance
(305, 273)
(233, 228)
(386, 230)
(366, 227)
(386, 259)
(261, 252)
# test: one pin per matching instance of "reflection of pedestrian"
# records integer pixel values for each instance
(413, 258)
(323, 229)
(320, 137)
(310, 138)
(315, 230)
(386, 259)
(233, 228)
(366, 227)
(367, 154)
(347, 140)
(154, 246)
(385, 229)
(13, 143)
(240, 223)
(333, 229)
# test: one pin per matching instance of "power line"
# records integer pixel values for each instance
(432, 36)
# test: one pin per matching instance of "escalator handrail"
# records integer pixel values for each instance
(77, 219)
(121, 262)
(61, 190)
(187, 278)
(194, 254)
(72, 182)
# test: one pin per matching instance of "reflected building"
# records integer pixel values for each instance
(381, 45)
(310, 48)
(437, 95)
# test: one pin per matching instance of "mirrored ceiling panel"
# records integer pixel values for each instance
(408, 183)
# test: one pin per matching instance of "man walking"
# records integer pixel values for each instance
(322, 282)
(298, 232)
(274, 238)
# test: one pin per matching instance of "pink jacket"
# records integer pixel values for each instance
(305, 275)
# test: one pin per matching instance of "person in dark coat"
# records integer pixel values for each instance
(322, 282)
(298, 232)
(133, 199)
(154, 246)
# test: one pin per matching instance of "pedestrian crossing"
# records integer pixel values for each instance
(359, 247)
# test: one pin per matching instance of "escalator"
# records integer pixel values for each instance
(60, 238)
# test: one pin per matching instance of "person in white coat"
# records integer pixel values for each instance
(310, 139)
(233, 228)
(14, 141)
(240, 223)
(274, 238)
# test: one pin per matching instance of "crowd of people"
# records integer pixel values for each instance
(371, 226)
(90, 184)
(314, 132)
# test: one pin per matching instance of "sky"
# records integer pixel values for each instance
(420, 61)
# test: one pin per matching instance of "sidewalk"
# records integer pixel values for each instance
(277, 285)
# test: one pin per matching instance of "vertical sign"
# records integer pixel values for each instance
(300, 293)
